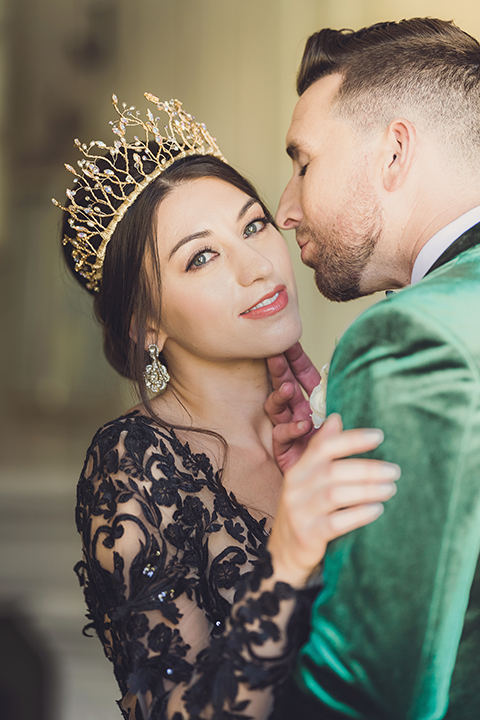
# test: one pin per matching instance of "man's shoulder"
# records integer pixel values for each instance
(447, 295)
(442, 309)
(457, 279)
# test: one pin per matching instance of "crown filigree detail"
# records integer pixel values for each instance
(110, 178)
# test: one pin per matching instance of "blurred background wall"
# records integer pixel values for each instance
(233, 64)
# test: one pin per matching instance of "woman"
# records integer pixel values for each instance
(195, 592)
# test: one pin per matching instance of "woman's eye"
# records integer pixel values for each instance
(201, 258)
(255, 227)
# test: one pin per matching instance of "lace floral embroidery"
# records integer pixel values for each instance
(177, 581)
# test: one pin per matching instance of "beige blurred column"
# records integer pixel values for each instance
(465, 13)
(3, 180)
(60, 57)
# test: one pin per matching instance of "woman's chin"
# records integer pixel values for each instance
(286, 340)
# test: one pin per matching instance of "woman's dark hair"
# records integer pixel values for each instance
(130, 293)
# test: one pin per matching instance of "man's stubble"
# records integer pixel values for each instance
(339, 254)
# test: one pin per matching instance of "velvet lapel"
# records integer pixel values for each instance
(469, 239)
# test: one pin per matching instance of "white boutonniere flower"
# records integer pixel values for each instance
(318, 399)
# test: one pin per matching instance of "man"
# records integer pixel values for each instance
(385, 193)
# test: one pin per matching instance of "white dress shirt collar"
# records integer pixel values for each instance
(437, 244)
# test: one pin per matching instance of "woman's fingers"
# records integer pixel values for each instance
(330, 443)
(344, 521)
(333, 425)
(363, 470)
(326, 494)
(344, 495)
(331, 492)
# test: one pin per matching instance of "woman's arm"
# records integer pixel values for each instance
(325, 495)
(149, 528)
(157, 549)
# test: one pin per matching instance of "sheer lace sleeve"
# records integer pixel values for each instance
(177, 581)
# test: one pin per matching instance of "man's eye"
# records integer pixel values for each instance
(303, 170)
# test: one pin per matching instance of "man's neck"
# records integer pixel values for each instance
(441, 240)
(433, 213)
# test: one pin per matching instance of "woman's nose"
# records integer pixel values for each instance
(252, 265)
(289, 214)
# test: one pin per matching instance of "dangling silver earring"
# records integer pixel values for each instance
(156, 375)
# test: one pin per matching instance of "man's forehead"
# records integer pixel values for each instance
(311, 111)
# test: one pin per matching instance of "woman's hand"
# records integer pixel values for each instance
(325, 495)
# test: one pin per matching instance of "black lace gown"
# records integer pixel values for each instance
(178, 582)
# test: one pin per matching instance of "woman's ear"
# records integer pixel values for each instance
(401, 146)
(153, 335)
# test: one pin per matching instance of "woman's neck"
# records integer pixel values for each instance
(226, 397)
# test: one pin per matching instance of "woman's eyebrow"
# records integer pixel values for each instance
(207, 233)
(189, 238)
(251, 201)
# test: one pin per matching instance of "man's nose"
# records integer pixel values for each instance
(289, 214)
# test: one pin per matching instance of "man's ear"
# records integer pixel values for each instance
(401, 146)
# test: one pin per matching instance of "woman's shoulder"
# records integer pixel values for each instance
(134, 458)
(143, 441)
(133, 424)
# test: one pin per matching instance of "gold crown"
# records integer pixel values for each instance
(112, 182)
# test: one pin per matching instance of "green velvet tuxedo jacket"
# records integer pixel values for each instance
(396, 630)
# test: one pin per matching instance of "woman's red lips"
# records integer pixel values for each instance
(269, 304)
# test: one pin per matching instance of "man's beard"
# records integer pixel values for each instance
(341, 254)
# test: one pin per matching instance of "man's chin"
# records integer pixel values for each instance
(337, 289)
(307, 261)
(340, 267)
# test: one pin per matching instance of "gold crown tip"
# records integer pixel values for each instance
(96, 224)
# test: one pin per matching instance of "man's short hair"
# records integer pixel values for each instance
(424, 69)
